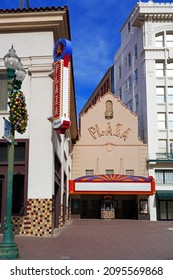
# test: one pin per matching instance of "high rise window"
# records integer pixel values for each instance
(170, 94)
(160, 92)
(129, 26)
(129, 83)
(137, 102)
(161, 120)
(169, 39)
(162, 39)
(159, 40)
(119, 72)
(162, 146)
(129, 59)
(136, 52)
(170, 70)
(170, 121)
(136, 77)
(164, 176)
(160, 69)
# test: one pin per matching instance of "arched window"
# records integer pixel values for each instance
(159, 40)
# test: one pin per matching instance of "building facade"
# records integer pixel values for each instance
(107, 161)
(143, 73)
(42, 162)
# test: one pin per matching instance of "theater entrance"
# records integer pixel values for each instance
(93, 206)
(90, 207)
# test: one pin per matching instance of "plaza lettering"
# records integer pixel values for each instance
(117, 131)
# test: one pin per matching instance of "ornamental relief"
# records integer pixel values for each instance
(117, 131)
(109, 109)
(154, 54)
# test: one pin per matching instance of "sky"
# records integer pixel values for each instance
(95, 34)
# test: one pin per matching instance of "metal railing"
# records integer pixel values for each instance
(164, 156)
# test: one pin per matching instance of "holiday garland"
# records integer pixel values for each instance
(18, 112)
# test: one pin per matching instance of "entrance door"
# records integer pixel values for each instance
(90, 209)
(129, 209)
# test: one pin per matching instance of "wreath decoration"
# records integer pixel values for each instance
(18, 112)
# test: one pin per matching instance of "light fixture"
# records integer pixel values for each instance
(11, 60)
(20, 72)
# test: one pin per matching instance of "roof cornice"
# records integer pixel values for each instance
(36, 19)
(152, 11)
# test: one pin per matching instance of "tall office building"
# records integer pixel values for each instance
(143, 73)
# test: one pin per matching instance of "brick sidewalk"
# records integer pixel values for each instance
(102, 240)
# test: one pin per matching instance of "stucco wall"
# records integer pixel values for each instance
(109, 143)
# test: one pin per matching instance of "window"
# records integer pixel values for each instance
(129, 59)
(161, 120)
(159, 40)
(119, 72)
(160, 92)
(170, 70)
(137, 103)
(169, 39)
(89, 172)
(109, 171)
(164, 176)
(129, 83)
(162, 146)
(170, 121)
(129, 172)
(3, 152)
(19, 152)
(171, 146)
(170, 94)
(120, 93)
(129, 26)
(3, 92)
(109, 110)
(130, 105)
(20, 173)
(125, 60)
(136, 77)
(160, 69)
(136, 52)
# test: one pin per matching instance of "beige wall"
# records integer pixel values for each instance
(109, 143)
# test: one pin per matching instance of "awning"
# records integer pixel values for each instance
(164, 194)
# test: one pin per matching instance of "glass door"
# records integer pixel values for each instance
(170, 210)
(163, 212)
(166, 209)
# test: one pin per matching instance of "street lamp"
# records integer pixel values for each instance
(15, 76)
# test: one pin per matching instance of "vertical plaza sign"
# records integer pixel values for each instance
(61, 105)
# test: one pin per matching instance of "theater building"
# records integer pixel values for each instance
(109, 171)
(42, 162)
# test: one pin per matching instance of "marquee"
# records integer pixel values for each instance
(112, 184)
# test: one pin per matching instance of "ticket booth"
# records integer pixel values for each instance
(108, 208)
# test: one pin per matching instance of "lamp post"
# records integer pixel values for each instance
(15, 76)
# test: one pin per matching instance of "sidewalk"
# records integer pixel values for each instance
(102, 240)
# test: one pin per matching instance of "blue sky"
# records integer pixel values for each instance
(95, 34)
